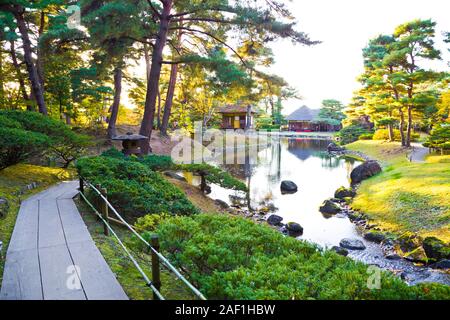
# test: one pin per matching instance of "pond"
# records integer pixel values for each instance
(317, 175)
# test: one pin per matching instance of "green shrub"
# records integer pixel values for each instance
(64, 143)
(158, 162)
(215, 175)
(9, 123)
(234, 258)
(134, 189)
(162, 163)
(366, 136)
(17, 145)
(351, 133)
(383, 134)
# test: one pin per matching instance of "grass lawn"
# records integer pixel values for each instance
(406, 196)
(13, 182)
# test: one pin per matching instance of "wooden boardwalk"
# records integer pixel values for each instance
(51, 255)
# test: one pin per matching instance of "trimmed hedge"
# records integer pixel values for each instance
(17, 145)
(133, 188)
(234, 258)
(63, 142)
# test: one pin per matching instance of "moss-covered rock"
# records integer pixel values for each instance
(344, 192)
(329, 207)
(416, 255)
(436, 249)
(408, 242)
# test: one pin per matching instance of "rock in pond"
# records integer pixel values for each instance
(4, 207)
(175, 176)
(274, 220)
(436, 249)
(443, 264)
(375, 236)
(329, 207)
(352, 244)
(340, 251)
(288, 187)
(294, 229)
(221, 204)
(364, 171)
(344, 192)
(333, 147)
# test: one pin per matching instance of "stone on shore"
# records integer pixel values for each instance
(365, 171)
(274, 220)
(352, 244)
(329, 207)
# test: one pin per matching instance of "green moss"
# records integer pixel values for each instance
(13, 182)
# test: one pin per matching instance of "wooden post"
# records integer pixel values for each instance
(156, 278)
(81, 185)
(105, 213)
(203, 182)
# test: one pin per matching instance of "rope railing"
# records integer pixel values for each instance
(156, 255)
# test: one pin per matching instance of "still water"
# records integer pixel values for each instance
(317, 175)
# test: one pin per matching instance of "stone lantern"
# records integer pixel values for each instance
(130, 143)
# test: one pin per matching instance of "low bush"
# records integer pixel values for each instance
(162, 163)
(366, 136)
(439, 138)
(383, 134)
(133, 188)
(234, 258)
(64, 143)
(17, 145)
(351, 133)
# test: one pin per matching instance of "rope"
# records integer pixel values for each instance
(136, 264)
(163, 259)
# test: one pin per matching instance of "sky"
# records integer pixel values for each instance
(329, 70)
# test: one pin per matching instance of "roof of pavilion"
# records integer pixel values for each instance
(236, 108)
(303, 114)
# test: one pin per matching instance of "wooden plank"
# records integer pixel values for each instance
(21, 276)
(58, 274)
(74, 227)
(50, 228)
(25, 234)
(99, 282)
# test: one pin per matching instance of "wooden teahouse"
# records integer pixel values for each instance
(237, 117)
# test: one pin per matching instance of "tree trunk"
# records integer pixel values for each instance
(36, 87)
(155, 75)
(402, 127)
(116, 102)
(409, 128)
(169, 99)
(39, 63)
(22, 87)
(158, 118)
(147, 61)
(171, 89)
(2, 82)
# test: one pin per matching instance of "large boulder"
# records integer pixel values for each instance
(416, 255)
(352, 244)
(329, 207)
(288, 187)
(364, 171)
(4, 207)
(344, 192)
(294, 229)
(436, 249)
(274, 220)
